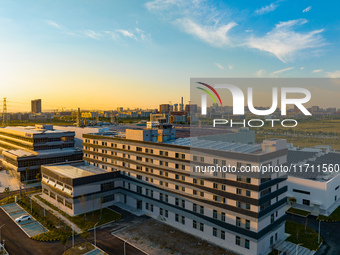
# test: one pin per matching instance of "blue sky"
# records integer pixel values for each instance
(105, 54)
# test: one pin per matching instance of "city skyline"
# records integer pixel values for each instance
(139, 53)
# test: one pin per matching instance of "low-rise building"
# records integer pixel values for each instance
(78, 187)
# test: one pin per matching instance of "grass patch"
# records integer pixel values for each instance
(274, 252)
(335, 216)
(80, 249)
(52, 235)
(91, 218)
(298, 211)
(298, 234)
(11, 199)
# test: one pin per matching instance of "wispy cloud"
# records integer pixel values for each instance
(92, 34)
(335, 74)
(317, 71)
(267, 8)
(230, 67)
(214, 35)
(283, 70)
(197, 18)
(136, 34)
(53, 24)
(260, 73)
(301, 68)
(283, 42)
(307, 9)
(219, 66)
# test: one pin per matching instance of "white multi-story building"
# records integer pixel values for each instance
(315, 181)
(241, 212)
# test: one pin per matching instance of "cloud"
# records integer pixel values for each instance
(260, 73)
(248, 31)
(97, 35)
(283, 70)
(307, 9)
(283, 42)
(92, 34)
(125, 33)
(53, 24)
(266, 9)
(230, 67)
(335, 74)
(301, 68)
(317, 71)
(219, 66)
(214, 35)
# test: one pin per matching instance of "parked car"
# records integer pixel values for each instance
(23, 218)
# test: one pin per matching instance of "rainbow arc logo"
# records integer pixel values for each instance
(209, 93)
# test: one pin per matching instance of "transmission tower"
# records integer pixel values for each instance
(4, 113)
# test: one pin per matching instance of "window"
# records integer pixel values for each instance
(306, 202)
(194, 207)
(202, 194)
(224, 162)
(222, 235)
(223, 216)
(201, 210)
(301, 191)
(272, 218)
(183, 220)
(214, 232)
(202, 159)
(166, 214)
(183, 204)
(176, 217)
(177, 201)
(223, 187)
(215, 161)
(202, 227)
(194, 224)
(161, 211)
(68, 204)
(215, 185)
(246, 244)
(271, 240)
(247, 224)
(214, 214)
(275, 236)
(176, 155)
(139, 149)
(238, 240)
(194, 181)
(248, 193)
(195, 158)
(238, 221)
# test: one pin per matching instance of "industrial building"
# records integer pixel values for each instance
(315, 182)
(241, 212)
(78, 187)
(25, 149)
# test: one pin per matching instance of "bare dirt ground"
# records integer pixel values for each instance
(155, 238)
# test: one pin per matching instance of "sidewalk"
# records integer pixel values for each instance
(62, 217)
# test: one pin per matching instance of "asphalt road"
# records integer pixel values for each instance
(329, 232)
(17, 242)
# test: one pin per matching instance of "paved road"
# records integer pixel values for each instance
(329, 232)
(17, 242)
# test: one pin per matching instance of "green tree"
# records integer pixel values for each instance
(7, 192)
(64, 241)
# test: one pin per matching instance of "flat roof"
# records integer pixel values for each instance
(215, 145)
(34, 131)
(73, 172)
(21, 153)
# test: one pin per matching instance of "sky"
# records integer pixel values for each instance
(105, 54)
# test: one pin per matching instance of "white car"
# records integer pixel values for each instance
(23, 218)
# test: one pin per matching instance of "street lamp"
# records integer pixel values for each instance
(125, 245)
(0, 232)
(296, 249)
(319, 231)
(95, 241)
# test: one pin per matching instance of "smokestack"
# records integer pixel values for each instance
(182, 104)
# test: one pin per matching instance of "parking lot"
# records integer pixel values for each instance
(30, 227)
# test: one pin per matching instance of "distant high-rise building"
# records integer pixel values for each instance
(164, 108)
(36, 106)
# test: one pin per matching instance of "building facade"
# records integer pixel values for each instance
(243, 213)
(36, 106)
(25, 149)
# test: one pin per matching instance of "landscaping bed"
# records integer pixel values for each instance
(335, 216)
(298, 212)
(298, 234)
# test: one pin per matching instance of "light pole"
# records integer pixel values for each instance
(0, 232)
(296, 249)
(125, 245)
(72, 236)
(319, 231)
(95, 241)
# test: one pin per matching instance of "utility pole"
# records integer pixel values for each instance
(4, 113)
